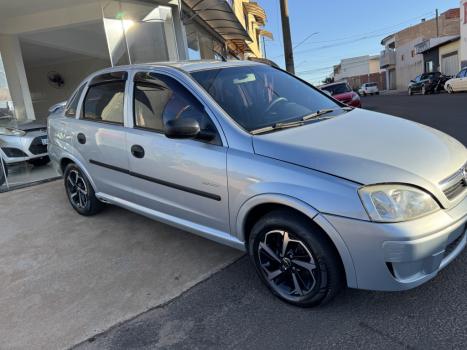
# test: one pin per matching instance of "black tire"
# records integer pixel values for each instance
(377, 93)
(424, 90)
(410, 92)
(311, 261)
(39, 161)
(80, 192)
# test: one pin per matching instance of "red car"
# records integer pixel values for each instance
(341, 91)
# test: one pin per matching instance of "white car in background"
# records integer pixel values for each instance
(368, 89)
(458, 83)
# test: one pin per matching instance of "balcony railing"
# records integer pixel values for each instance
(387, 58)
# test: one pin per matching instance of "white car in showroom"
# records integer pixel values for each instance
(368, 89)
(458, 83)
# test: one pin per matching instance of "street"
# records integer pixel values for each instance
(233, 310)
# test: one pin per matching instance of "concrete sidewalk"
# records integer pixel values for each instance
(64, 277)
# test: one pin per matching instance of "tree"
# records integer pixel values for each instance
(328, 80)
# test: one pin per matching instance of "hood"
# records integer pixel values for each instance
(344, 97)
(368, 148)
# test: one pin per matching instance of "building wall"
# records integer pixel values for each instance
(448, 25)
(463, 30)
(409, 64)
(379, 78)
(354, 66)
(44, 95)
(449, 49)
(250, 25)
(374, 65)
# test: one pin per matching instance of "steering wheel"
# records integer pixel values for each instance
(275, 102)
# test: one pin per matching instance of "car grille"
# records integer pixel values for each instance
(456, 184)
(37, 147)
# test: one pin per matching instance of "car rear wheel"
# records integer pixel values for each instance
(80, 192)
(294, 259)
(410, 92)
(449, 88)
(424, 92)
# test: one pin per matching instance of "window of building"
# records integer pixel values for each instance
(104, 102)
(159, 98)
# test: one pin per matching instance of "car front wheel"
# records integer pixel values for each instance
(410, 92)
(80, 192)
(294, 259)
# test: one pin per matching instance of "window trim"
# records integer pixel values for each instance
(110, 81)
(75, 93)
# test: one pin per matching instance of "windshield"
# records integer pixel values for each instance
(337, 89)
(259, 96)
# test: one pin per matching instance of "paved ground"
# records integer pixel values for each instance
(64, 278)
(232, 310)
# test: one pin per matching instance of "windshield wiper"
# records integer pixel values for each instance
(317, 115)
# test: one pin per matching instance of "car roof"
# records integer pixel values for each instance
(332, 84)
(188, 66)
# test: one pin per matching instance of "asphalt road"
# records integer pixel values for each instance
(232, 310)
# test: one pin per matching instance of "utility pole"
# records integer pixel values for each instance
(437, 24)
(288, 51)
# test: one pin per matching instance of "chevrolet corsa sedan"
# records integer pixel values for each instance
(320, 195)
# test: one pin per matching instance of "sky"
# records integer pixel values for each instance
(344, 29)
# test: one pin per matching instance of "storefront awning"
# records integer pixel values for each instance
(257, 11)
(220, 17)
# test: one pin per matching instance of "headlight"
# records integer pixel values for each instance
(11, 132)
(355, 97)
(394, 203)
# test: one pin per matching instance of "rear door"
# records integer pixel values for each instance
(100, 136)
(186, 178)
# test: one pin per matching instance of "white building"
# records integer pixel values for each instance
(48, 47)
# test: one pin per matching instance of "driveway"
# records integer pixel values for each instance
(232, 310)
(65, 278)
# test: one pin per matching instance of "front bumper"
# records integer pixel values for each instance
(16, 149)
(400, 256)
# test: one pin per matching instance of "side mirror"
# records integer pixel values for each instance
(185, 128)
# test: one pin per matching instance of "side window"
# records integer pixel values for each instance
(104, 101)
(465, 74)
(159, 98)
(72, 105)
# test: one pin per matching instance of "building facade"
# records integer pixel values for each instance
(400, 57)
(47, 48)
(359, 70)
(463, 33)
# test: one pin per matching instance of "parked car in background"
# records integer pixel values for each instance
(319, 194)
(427, 83)
(458, 83)
(341, 91)
(23, 142)
(368, 89)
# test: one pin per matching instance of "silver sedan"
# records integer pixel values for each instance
(320, 195)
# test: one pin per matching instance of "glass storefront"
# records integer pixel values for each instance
(23, 145)
(119, 32)
(201, 44)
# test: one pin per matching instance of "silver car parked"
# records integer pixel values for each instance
(320, 195)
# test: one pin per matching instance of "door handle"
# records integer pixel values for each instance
(81, 138)
(137, 151)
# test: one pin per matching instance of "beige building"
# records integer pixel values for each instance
(402, 59)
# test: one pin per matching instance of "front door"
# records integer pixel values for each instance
(100, 136)
(181, 178)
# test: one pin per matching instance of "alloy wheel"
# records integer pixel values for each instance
(77, 189)
(287, 265)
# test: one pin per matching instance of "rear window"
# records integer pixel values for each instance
(337, 88)
(371, 84)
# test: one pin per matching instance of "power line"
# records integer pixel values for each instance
(360, 37)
